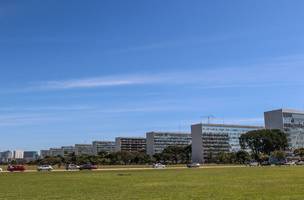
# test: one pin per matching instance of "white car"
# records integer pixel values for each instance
(44, 168)
(159, 166)
(72, 167)
(193, 165)
(254, 164)
(290, 163)
(1, 170)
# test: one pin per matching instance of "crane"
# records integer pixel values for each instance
(208, 117)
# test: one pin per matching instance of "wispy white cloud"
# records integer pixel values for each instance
(120, 80)
(279, 72)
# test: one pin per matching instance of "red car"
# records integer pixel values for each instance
(15, 168)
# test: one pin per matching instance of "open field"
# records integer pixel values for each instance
(205, 183)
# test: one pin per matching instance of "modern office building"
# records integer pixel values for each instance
(130, 144)
(56, 152)
(158, 141)
(30, 156)
(289, 121)
(83, 149)
(6, 156)
(68, 150)
(211, 139)
(103, 146)
(18, 154)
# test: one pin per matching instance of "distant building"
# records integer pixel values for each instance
(56, 152)
(6, 156)
(158, 141)
(83, 149)
(44, 153)
(18, 154)
(68, 150)
(103, 146)
(208, 140)
(289, 121)
(30, 156)
(130, 144)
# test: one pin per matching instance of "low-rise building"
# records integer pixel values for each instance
(130, 144)
(158, 141)
(103, 146)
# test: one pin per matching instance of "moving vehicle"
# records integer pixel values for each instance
(44, 168)
(159, 166)
(300, 162)
(253, 164)
(1, 170)
(290, 163)
(193, 165)
(72, 167)
(87, 167)
(16, 168)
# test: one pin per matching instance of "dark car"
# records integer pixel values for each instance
(87, 167)
(15, 168)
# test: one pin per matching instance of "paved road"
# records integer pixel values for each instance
(136, 169)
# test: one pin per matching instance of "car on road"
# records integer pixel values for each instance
(300, 162)
(1, 170)
(72, 167)
(193, 165)
(87, 167)
(253, 164)
(44, 168)
(16, 168)
(159, 166)
(290, 163)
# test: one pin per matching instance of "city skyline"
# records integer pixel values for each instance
(75, 73)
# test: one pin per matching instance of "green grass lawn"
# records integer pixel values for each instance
(220, 183)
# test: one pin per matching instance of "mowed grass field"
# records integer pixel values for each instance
(174, 184)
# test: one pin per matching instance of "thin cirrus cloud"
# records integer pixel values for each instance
(286, 72)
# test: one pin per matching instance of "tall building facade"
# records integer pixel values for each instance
(18, 154)
(158, 141)
(6, 156)
(130, 144)
(44, 153)
(289, 121)
(30, 156)
(83, 149)
(208, 140)
(103, 146)
(56, 152)
(68, 150)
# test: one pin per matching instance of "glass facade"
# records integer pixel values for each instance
(234, 132)
(158, 141)
(103, 146)
(293, 126)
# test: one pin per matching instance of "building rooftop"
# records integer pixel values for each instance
(287, 110)
(230, 125)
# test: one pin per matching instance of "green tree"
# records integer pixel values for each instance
(299, 152)
(242, 157)
(264, 141)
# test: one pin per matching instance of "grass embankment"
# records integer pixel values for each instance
(209, 183)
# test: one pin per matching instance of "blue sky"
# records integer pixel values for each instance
(73, 72)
